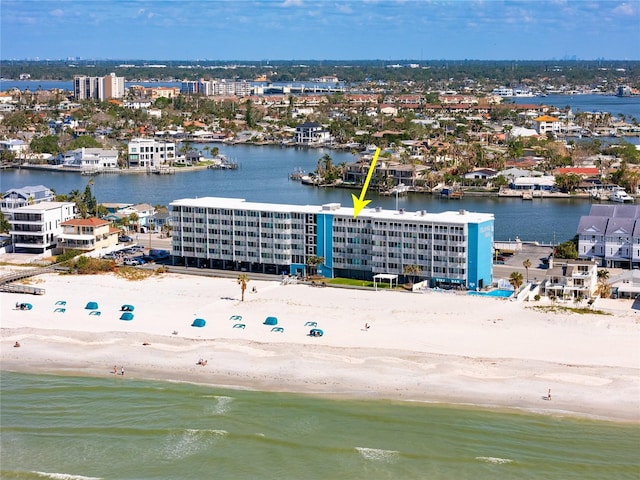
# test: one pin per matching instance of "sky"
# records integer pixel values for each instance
(260, 30)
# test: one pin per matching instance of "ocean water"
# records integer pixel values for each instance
(64, 427)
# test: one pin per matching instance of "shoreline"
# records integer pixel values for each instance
(433, 348)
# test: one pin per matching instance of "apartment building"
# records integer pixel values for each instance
(87, 234)
(150, 153)
(217, 87)
(450, 248)
(570, 280)
(15, 198)
(610, 234)
(35, 228)
(98, 88)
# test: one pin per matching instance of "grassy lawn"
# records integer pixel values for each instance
(357, 283)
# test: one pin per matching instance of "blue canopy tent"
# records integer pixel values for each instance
(270, 321)
(91, 306)
(316, 332)
(199, 322)
(127, 308)
(126, 316)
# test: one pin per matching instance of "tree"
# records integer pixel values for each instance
(46, 144)
(604, 289)
(568, 250)
(313, 263)
(526, 264)
(567, 182)
(5, 226)
(515, 279)
(243, 279)
(413, 271)
(84, 141)
(134, 218)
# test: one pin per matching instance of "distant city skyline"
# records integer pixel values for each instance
(261, 30)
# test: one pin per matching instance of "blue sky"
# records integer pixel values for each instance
(320, 29)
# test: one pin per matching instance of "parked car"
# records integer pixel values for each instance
(137, 248)
(131, 262)
(125, 239)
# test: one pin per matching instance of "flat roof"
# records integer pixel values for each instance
(38, 207)
(376, 213)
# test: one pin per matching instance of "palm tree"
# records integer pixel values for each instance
(526, 264)
(134, 217)
(412, 271)
(243, 279)
(515, 279)
(604, 289)
(313, 262)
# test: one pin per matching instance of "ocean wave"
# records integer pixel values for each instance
(378, 455)
(494, 460)
(191, 441)
(221, 405)
(63, 476)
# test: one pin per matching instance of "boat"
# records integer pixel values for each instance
(297, 174)
(620, 196)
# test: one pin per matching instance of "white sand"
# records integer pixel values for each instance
(435, 347)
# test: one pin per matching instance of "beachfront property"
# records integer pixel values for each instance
(17, 147)
(150, 153)
(450, 248)
(15, 198)
(610, 234)
(87, 234)
(311, 132)
(35, 228)
(570, 280)
(91, 159)
(99, 88)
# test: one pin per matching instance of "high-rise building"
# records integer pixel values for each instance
(448, 249)
(98, 88)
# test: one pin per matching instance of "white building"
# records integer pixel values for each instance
(18, 147)
(15, 198)
(547, 124)
(91, 159)
(450, 248)
(35, 228)
(311, 132)
(98, 88)
(570, 280)
(150, 153)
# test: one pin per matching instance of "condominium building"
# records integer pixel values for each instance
(217, 88)
(15, 198)
(610, 234)
(150, 153)
(99, 88)
(35, 228)
(449, 248)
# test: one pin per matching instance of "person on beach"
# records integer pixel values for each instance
(366, 327)
(549, 395)
(122, 371)
(17, 344)
(115, 370)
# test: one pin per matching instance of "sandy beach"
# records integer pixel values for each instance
(433, 347)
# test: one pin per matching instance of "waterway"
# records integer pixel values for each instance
(263, 176)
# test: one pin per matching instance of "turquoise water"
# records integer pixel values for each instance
(117, 428)
(498, 292)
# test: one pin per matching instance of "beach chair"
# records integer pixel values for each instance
(235, 318)
(60, 310)
(239, 325)
(95, 312)
(311, 324)
(277, 329)
(61, 302)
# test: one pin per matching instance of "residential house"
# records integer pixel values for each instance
(15, 198)
(481, 173)
(150, 153)
(570, 280)
(546, 124)
(87, 234)
(35, 228)
(18, 147)
(91, 159)
(144, 211)
(610, 235)
(311, 132)
(545, 182)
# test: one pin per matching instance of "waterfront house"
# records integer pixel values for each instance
(87, 234)
(35, 228)
(547, 124)
(610, 235)
(544, 183)
(310, 133)
(481, 173)
(150, 153)
(144, 211)
(91, 159)
(451, 248)
(15, 198)
(570, 280)
(15, 146)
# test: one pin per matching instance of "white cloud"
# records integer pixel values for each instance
(625, 9)
(291, 3)
(57, 13)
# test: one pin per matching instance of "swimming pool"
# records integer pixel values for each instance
(498, 292)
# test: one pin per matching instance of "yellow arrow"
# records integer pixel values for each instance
(360, 203)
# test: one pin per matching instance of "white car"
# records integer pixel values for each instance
(132, 262)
